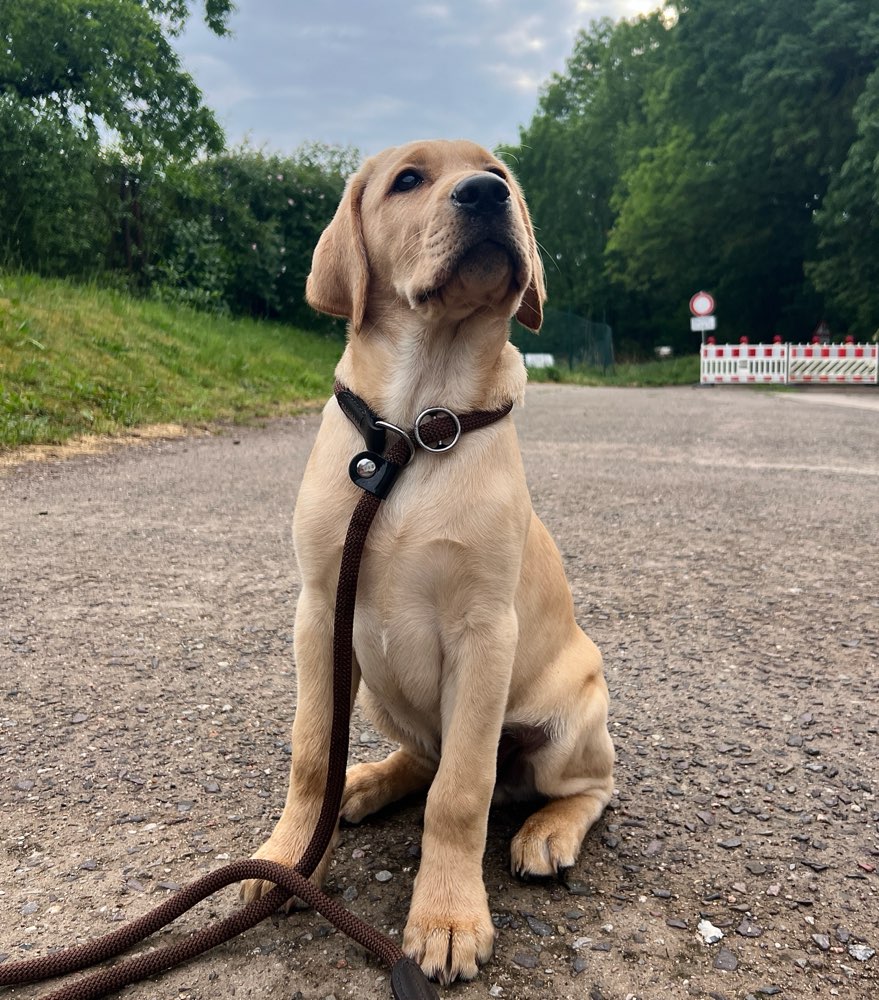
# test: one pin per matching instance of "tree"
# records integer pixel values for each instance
(753, 110)
(589, 123)
(74, 76)
(51, 193)
(846, 264)
(109, 65)
(695, 149)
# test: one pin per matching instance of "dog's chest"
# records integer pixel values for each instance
(399, 623)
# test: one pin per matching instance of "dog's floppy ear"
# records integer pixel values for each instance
(530, 311)
(339, 279)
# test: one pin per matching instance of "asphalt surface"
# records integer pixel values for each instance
(721, 547)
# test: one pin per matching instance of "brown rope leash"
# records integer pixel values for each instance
(407, 979)
(154, 962)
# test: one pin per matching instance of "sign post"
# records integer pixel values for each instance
(702, 309)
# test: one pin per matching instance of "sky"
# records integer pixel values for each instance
(371, 75)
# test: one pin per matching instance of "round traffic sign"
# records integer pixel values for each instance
(701, 304)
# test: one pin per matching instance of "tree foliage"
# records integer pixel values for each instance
(721, 144)
(846, 265)
(109, 64)
(589, 125)
(88, 93)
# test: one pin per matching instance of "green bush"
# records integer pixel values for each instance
(194, 269)
(238, 229)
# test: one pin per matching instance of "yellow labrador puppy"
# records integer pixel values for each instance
(467, 652)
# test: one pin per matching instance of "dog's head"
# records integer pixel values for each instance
(441, 227)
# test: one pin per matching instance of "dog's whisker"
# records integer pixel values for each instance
(547, 255)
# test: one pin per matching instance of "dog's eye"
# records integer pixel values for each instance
(407, 181)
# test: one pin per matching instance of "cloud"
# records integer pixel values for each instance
(524, 37)
(514, 77)
(435, 11)
(376, 75)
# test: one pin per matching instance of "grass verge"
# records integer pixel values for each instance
(77, 360)
(672, 371)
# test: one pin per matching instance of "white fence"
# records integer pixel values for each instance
(788, 364)
(735, 363)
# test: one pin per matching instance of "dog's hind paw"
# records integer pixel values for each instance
(539, 850)
(549, 840)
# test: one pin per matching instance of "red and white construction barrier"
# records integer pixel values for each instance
(848, 364)
(735, 363)
(788, 364)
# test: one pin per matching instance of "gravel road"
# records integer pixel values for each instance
(721, 547)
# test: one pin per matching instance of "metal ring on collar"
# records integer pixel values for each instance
(403, 435)
(432, 411)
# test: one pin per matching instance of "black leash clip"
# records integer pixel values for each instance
(373, 473)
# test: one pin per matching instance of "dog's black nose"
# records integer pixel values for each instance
(481, 194)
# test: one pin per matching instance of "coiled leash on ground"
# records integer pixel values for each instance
(436, 430)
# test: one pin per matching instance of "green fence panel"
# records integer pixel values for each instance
(571, 339)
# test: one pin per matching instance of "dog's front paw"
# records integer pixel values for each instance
(286, 846)
(452, 939)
